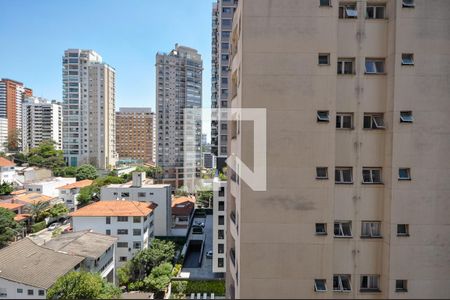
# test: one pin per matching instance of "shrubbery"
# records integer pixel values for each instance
(38, 226)
(199, 286)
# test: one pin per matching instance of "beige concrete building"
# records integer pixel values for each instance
(358, 136)
(135, 134)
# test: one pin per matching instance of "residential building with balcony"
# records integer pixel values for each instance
(182, 214)
(48, 186)
(69, 192)
(220, 220)
(356, 97)
(7, 171)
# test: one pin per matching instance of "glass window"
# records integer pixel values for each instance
(374, 66)
(221, 248)
(323, 116)
(343, 175)
(401, 285)
(406, 117)
(348, 11)
(122, 231)
(108, 220)
(341, 283)
(343, 229)
(136, 219)
(324, 58)
(19, 291)
(345, 66)
(122, 219)
(370, 283)
(344, 121)
(371, 175)
(404, 174)
(402, 230)
(221, 220)
(136, 232)
(370, 229)
(122, 245)
(136, 245)
(375, 11)
(408, 3)
(374, 121)
(321, 229)
(321, 173)
(41, 292)
(30, 292)
(325, 2)
(320, 285)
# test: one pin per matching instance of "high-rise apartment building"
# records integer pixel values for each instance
(179, 87)
(12, 93)
(357, 98)
(41, 121)
(135, 134)
(222, 18)
(88, 109)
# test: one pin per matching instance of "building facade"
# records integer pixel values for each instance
(220, 220)
(12, 93)
(88, 110)
(179, 87)
(357, 140)
(41, 121)
(135, 134)
(69, 192)
(222, 18)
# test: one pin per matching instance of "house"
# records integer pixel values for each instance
(27, 270)
(182, 212)
(69, 192)
(130, 221)
(142, 189)
(48, 186)
(98, 250)
(7, 171)
(29, 199)
(17, 209)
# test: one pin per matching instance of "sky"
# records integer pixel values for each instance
(126, 33)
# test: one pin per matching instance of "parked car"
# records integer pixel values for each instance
(209, 254)
(53, 226)
(199, 224)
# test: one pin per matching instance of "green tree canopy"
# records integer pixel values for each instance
(8, 227)
(66, 171)
(6, 188)
(86, 172)
(58, 210)
(159, 278)
(37, 210)
(82, 285)
(46, 156)
(204, 197)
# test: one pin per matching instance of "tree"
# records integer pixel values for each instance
(124, 274)
(13, 140)
(159, 279)
(19, 158)
(204, 197)
(82, 285)
(66, 171)
(182, 192)
(86, 172)
(8, 227)
(37, 210)
(46, 156)
(86, 194)
(58, 210)
(6, 188)
(150, 172)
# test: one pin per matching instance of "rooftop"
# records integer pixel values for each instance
(21, 217)
(27, 263)
(6, 163)
(116, 208)
(78, 184)
(33, 198)
(11, 206)
(18, 192)
(63, 180)
(81, 243)
(183, 206)
(146, 184)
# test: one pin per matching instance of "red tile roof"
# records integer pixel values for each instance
(6, 163)
(11, 206)
(117, 208)
(183, 206)
(33, 198)
(78, 184)
(18, 192)
(21, 217)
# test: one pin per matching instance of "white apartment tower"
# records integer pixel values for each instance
(178, 87)
(357, 101)
(41, 121)
(88, 109)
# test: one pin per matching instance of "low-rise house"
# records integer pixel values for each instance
(17, 209)
(98, 250)
(27, 270)
(48, 186)
(30, 199)
(69, 192)
(130, 221)
(143, 190)
(182, 212)
(7, 171)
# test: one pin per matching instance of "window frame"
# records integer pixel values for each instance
(371, 171)
(406, 232)
(320, 233)
(322, 177)
(372, 281)
(404, 287)
(376, 7)
(407, 61)
(324, 283)
(374, 61)
(344, 8)
(122, 219)
(341, 229)
(371, 234)
(406, 116)
(375, 119)
(340, 120)
(323, 116)
(408, 173)
(341, 176)
(341, 63)
(325, 5)
(408, 5)
(327, 55)
(339, 277)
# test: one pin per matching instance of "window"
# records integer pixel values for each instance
(321, 173)
(341, 283)
(122, 219)
(408, 3)
(122, 245)
(345, 66)
(320, 285)
(141, 194)
(221, 206)
(221, 248)
(136, 232)
(404, 174)
(373, 121)
(344, 121)
(323, 116)
(324, 59)
(221, 220)
(406, 117)
(3, 293)
(348, 11)
(123, 258)
(343, 175)
(122, 231)
(124, 194)
(136, 219)
(370, 229)
(108, 232)
(108, 220)
(41, 292)
(370, 283)
(19, 291)
(407, 59)
(343, 229)
(371, 175)
(401, 285)
(321, 229)
(30, 292)
(221, 234)
(325, 2)
(136, 245)
(402, 230)
(375, 11)
(220, 262)
(374, 66)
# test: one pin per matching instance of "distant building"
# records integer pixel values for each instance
(88, 109)
(48, 186)
(179, 87)
(7, 171)
(3, 134)
(142, 189)
(182, 213)
(29, 270)
(99, 251)
(135, 134)
(209, 161)
(69, 192)
(41, 121)
(130, 221)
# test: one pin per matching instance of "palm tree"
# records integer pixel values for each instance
(36, 210)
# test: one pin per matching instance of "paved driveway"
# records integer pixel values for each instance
(44, 235)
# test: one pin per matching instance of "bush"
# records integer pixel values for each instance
(206, 286)
(179, 287)
(38, 226)
(176, 270)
